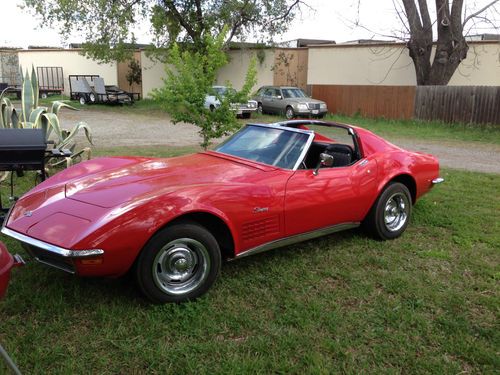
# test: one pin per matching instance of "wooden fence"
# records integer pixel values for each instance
(394, 102)
(466, 104)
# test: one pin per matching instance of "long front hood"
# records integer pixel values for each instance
(151, 177)
(77, 201)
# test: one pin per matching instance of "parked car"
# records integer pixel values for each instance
(290, 101)
(243, 110)
(172, 220)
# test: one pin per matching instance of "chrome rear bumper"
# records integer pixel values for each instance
(437, 180)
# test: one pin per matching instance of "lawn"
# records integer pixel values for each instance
(427, 302)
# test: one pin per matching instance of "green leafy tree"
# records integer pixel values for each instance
(190, 76)
(107, 25)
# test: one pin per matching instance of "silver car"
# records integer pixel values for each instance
(290, 101)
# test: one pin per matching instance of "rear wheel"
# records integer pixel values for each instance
(92, 97)
(82, 100)
(180, 263)
(390, 214)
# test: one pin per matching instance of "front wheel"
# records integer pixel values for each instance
(180, 263)
(390, 214)
(289, 113)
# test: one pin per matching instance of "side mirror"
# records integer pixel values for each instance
(325, 160)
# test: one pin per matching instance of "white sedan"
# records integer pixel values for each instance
(243, 110)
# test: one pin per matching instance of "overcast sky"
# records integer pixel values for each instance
(330, 19)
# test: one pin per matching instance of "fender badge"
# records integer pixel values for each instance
(28, 213)
(260, 209)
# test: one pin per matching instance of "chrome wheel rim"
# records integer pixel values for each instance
(396, 212)
(289, 113)
(82, 100)
(181, 266)
(259, 108)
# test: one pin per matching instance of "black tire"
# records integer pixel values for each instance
(43, 95)
(165, 271)
(246, 115)
(212, 108)
(391, 212)
(289, 113)
(82, 99)
(260, 109)
(92, 97)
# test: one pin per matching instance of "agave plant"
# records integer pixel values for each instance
(32, 116)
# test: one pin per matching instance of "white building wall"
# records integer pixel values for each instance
(391, 65)
(72, 62)
(153, 72)
(239, 60)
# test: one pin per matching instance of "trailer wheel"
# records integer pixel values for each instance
(43, 95)
(92, 97)
(82, 100)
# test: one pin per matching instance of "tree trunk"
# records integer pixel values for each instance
(451, 47)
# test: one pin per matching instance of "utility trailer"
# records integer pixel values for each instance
(50, 80)
(90, 89)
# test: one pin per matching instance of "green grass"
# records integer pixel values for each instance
(427, 302)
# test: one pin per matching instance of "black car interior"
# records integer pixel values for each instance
(343, 155)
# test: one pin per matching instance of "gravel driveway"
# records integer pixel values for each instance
(112, 128)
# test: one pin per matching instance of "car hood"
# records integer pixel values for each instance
(145, 178)
(303, 100)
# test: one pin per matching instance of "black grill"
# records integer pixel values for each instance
(22, 150)
(50, 259)
(313, 105)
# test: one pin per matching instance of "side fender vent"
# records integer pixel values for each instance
(254, 230)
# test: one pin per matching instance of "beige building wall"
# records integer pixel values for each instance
(236, 70)
(391, 65)
(153, 73)
(71, 61)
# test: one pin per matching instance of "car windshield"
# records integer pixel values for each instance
(293, 93)
(277, 147)
(220, 90)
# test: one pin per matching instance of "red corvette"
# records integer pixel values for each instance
(173, 220)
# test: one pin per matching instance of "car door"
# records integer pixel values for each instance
(334, 196)
(267, 100)
(276, 101)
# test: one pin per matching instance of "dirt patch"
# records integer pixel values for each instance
(114, 128)
(471, 156)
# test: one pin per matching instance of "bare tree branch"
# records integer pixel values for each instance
(479, 12)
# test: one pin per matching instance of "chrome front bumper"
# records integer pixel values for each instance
(66, 253)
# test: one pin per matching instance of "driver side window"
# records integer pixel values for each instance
(340, 145)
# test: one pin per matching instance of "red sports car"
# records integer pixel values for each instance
(172, 220)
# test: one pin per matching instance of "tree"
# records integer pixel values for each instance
(190, 75)
(449, 20)
(106, 25)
